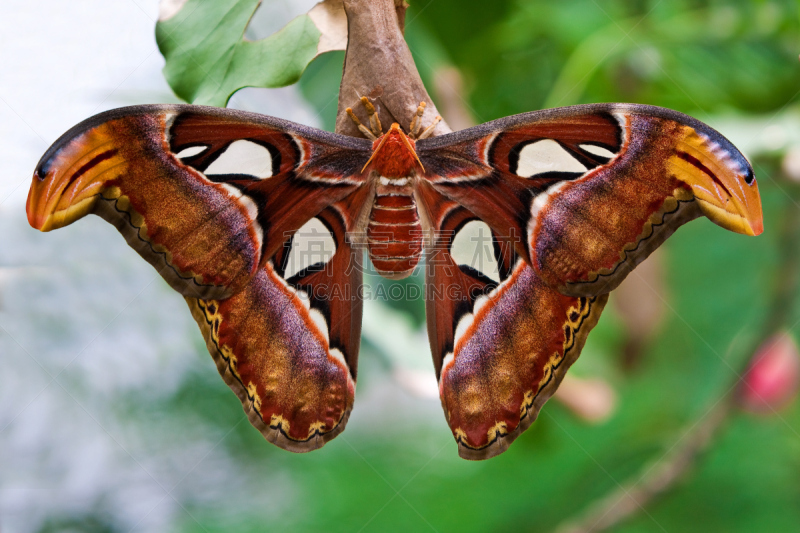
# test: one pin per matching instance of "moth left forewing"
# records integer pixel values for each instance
(592, 190)
(502, 339)
(288, 343)
(205, 195)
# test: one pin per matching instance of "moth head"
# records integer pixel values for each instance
(394, 154)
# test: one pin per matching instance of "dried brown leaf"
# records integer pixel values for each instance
(378, 65)
(330, 19)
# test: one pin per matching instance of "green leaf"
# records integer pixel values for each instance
(208, 58)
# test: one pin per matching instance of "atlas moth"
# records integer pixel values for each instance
(220, 201)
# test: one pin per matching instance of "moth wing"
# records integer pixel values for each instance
(206, 195)
(588, 192)
(247, 217)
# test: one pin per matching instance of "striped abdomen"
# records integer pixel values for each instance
(394, 234)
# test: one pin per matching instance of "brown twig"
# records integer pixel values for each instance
(378, 65)
(657, 478)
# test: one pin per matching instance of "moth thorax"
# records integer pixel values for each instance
(394, 234)
(394, 154)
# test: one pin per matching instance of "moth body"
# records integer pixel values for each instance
(394, 231)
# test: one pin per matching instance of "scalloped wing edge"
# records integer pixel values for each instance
(533, 402)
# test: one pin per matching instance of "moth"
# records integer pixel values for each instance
(222, 203)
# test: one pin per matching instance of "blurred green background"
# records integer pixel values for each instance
(732, 64)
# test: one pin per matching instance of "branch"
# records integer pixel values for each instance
(378, 65)
(657, 478)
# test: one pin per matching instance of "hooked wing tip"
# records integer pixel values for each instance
(756, 226)
(70, 175)
(721, 180)
(751, 207)
(741, 209)
(36, 217)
